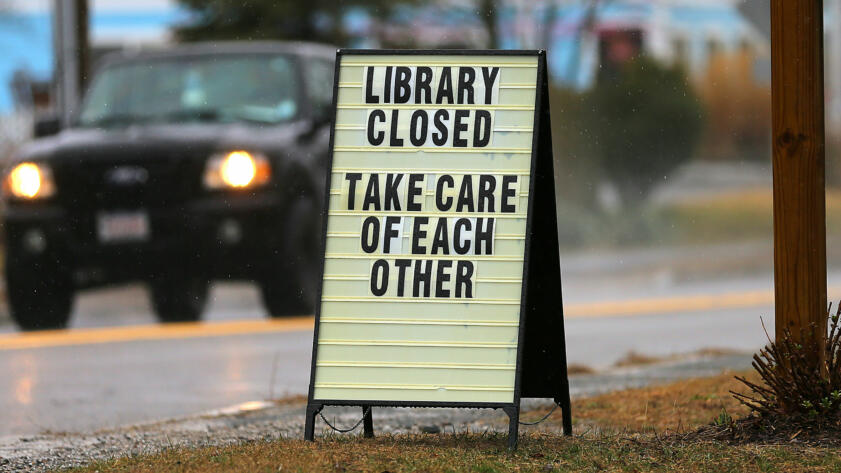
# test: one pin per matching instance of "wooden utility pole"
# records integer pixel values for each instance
(82, 17)
(797, 100)
(71, 49)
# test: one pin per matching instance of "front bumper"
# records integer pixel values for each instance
(220, 237)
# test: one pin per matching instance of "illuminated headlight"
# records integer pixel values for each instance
(237, 170)
(29, 181)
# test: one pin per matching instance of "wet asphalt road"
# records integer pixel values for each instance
(88, 386)
(93, 386)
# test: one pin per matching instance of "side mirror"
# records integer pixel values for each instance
(323, 115)
(319, 120)
(46, 126)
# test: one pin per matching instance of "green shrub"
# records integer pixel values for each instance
(795, 388)
(646, 121)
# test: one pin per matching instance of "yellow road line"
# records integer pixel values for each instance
(88, 336)
(669, 304)
(691, 303)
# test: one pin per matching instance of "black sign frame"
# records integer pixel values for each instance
(541, 368)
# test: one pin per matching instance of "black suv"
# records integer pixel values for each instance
(201, 162)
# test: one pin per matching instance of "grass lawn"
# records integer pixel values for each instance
(636, 430)
(733, 216)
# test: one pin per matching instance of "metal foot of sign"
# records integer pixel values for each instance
(368, 422)
(309, 423)
(440, 281)
(513, 413)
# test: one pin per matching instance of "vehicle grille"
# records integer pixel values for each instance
(125, 184)
(85, 190)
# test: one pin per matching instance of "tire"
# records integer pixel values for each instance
(39, 303)
(288, 285)
(282, 299)
(179, 299)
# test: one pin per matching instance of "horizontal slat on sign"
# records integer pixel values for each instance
(484, 268)
(384, 149)
(358, 235)
(501, 247)
(509, 129)
(434, 163)
(502, 117)
(448, 257)
(365, 277)
(415, 343)
(424, 365)
(413, 395)
(349, 222)
(513, 129)
(411, 387)
(508, 96)
(350, 320)
(389, 309)
(414, 392)
(358, 85)
(389, 106)
(368, 213)
(339, 170)
(420, 333)
(435, 63)
(501, 139)
(420, 300)
(481, 290)
(428, 202)
(413, 376)
(396, 354)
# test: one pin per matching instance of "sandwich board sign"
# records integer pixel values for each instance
(440, 279)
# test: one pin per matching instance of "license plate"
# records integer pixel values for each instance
(123, 227)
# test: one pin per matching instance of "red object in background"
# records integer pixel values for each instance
(617, 47)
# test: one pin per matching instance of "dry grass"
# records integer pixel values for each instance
(677, 407)
(474, 453)
(622, 431)
(634, 358)
(576, 368)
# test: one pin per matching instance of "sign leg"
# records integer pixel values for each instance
(513, 426)
(562, 398)
(566, 412)
(544, 361)
(309, 425)
(368, 422)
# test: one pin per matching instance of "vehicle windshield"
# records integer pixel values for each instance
(257, 88)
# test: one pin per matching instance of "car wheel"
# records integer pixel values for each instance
(288, 285)
(179, 299)
(283, 297)
(39, 303)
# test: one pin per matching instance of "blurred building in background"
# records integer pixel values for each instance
(587, 38)
(28, 61)
(26, 36)
(582, 36)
